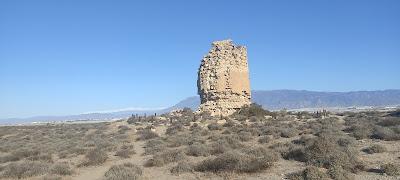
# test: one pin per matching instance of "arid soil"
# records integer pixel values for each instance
(251, 144)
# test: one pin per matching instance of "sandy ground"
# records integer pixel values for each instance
(277, 172)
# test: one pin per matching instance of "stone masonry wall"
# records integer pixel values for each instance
(223, 79)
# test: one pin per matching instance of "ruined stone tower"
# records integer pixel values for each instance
(223, 79)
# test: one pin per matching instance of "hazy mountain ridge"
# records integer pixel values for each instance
(297, 99)
(294, 99)
(272, 100)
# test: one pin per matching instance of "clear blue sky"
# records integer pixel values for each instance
(73, 56)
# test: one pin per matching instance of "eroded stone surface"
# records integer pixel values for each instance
(223, 79)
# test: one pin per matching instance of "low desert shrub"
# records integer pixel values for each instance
(62, 169)
(174, 129)
(198, 149)
(303, 140)
(338, 173)
(251, 110)
(182, 167)
(18, 170)
(154, 146)
(262, 152)
(51, 177)
(229, 123)
(95, 157)
(385, 133)
(224, 144)
(45, 157)
(166, 157)
(325, 151)
(132, 120)
(8, 158)
(395, 113)
(179, 140)
(265, 139)
(244, 136)
(24, 153)
(122, 129)
(123, 172)
(289, 150)
(288, 133)
(376, 148)
(234, 161)
(214, 127)
(310, 173)
(125, 151)
(391, 169)
(389, 121)
(147, 134)
(295, 152)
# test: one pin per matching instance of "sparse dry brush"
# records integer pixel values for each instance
(214, 127)
(310, 173)
(198, 149)
(251, 140)
(95, 157)
(182, 167)
(146, 134)
(18, 170)
(125, 151)
(376, 148)
(253, 160)
(166, 157)
(391, 169)
(124, 172)
(62, 169)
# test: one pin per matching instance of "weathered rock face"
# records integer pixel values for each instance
(223, 79)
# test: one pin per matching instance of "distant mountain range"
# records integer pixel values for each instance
(299, 99)
(272, 100)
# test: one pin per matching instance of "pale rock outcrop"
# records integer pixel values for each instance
(223, 79)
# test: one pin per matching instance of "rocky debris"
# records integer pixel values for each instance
(223, 79)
